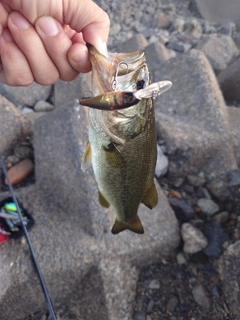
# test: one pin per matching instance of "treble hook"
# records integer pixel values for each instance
(114, 82)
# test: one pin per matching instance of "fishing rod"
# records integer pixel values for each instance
(35, 262)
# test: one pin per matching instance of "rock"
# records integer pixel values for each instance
(219, 11)
(201, 140)
(162, 163)
(139, 316)
(175, 194)
(229, 81)
(178, 24)
(228, 267)
(178, 182)
(83, 263)
(23, 151)
(27, 110)
(181, 259)
(234, 125)
(172, 304)
(154, 284)
(183, 211)
(216, 237)
(193, 27)
(229, 29)
(221, 217)
(193, 238)
(234, 178)
(196, 181)
(150, 306)
(65, 91)
(236, 38)
(135, 43)
(207, 206)
(32, 117)
(26, 96)
(199, 295)
(43, 106)
(219, 49)
(156, 55)
(198, 223)
(115, 29)
(187, 188)
(162, 21)
(178, 46)
(14, 126)
(20, 171)
(11, 161)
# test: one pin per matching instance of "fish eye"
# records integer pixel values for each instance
(128, 98)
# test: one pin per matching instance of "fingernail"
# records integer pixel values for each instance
(103, 49)
(48, 26)
(19, 21)
(7, 35)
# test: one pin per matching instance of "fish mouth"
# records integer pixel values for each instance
(118, 72)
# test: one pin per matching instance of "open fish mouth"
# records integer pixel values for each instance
(121, 81)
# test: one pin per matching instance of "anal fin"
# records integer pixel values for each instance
(135, 226)
(151, 199)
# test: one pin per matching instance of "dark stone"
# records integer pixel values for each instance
(187, 188)
(183, 211)
(176, 46)
(216, 237)
(139, 316)
(229, 81)
(229, 271)
(234, 178)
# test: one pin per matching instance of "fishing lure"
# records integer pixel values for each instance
(117, 100)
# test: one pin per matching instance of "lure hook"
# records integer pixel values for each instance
(114, 82)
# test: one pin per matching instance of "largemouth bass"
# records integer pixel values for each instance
(122, 135)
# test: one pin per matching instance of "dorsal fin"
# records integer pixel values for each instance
(151, 199)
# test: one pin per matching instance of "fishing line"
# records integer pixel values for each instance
(35, 262)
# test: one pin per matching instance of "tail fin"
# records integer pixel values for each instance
(135, 226)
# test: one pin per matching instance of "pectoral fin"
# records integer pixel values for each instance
(151, 198)
(87, 157)
(102, 200)
(113, 156)
(135, 226)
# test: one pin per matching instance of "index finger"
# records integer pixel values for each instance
(87, 17)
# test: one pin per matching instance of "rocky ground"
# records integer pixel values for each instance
(198, 123)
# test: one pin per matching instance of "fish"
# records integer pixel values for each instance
(122, 145)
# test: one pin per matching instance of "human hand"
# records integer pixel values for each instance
(45, 40)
